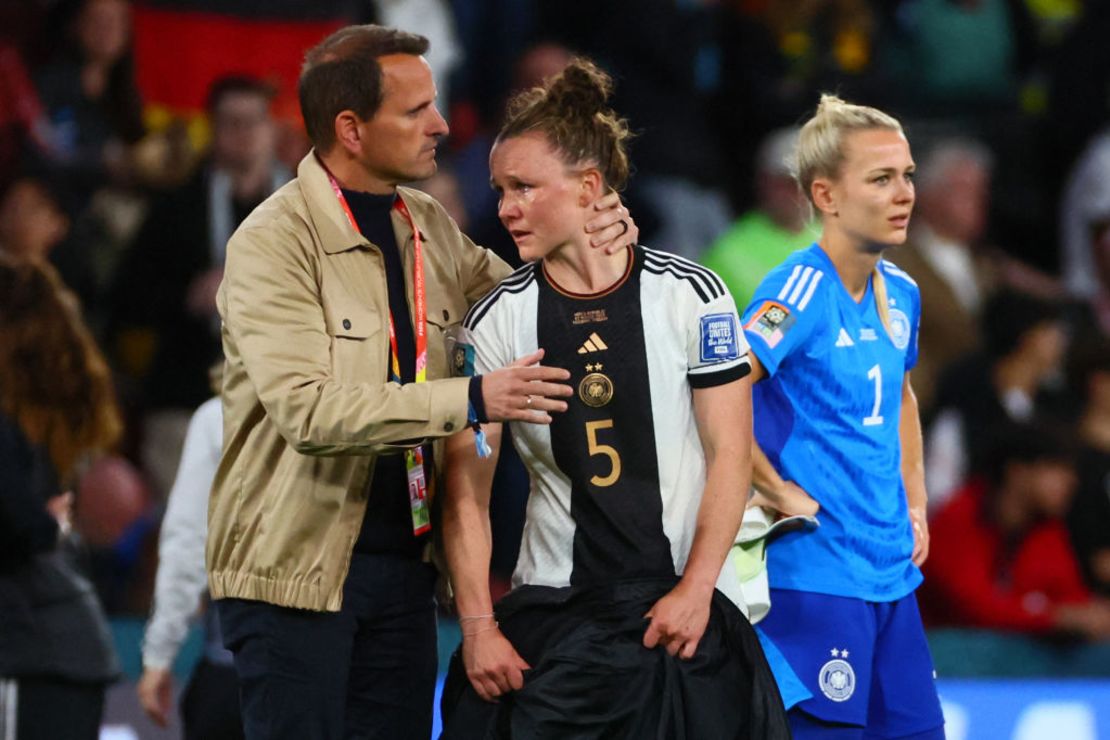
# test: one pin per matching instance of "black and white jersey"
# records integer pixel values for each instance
(616, 480)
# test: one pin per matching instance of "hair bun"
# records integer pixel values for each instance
(582, 87)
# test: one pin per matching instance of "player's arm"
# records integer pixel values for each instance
(913, 470)
(492, 665)
(771, 491)
(724, 418)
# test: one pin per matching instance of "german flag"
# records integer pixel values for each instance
(182, 46)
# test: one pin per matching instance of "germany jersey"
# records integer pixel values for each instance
(616, 480)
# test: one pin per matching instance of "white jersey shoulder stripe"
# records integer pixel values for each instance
(515, 283)
(892, 269)
(800, 287)
(686, 265)
(704, 282)
(790, 283)
(809, 292)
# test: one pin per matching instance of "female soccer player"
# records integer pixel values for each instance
(833, 334)
(614, 626)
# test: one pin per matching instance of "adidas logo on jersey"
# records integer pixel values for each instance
(843, 340)
(593, 344)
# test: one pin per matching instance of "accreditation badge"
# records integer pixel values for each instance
(418, 491)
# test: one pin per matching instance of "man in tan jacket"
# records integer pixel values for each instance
(337, 298)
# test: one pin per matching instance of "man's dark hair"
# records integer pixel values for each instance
(236, 85)
(342, 73)
(1009, 315)
(1035, 441)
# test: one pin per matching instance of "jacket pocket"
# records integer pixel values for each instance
(357, 348)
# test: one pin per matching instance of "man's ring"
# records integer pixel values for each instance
(625, 225)
(528, 401)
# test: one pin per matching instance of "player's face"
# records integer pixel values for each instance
(399, 140)
(873, 195)
(540, 199)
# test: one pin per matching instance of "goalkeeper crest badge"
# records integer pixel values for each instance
(837, 679)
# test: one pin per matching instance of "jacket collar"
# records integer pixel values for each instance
(331, 222)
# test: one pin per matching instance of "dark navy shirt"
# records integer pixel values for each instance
(387, 526)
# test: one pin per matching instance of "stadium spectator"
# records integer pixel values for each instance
(956, 56)
(1016, 376)
(833, 339)
(31, 221)
(1084, 220)
(945, 255)
(56, 411)
(1001, 554)
(780, 223)
(92, 102)
(628, 524)
(165, 327)
(22, 118)
(1089, 518)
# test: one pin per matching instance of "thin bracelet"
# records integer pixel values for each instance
(493, 626)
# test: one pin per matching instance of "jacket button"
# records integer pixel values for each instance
(449, 426)
(346, 323)
(446, 316)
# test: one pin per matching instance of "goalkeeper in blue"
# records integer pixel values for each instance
(833, 335)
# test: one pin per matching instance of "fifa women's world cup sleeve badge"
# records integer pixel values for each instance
(772, 321)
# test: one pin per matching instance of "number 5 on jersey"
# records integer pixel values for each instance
(609, 451)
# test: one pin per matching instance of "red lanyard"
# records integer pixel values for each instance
(418, 291)
(414, 458)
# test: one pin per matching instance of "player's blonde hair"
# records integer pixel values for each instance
(820, 148)
(820, 153)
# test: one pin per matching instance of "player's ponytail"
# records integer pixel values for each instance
(571, 109)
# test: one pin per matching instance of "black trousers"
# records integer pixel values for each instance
(210, 704)
(51, 708)
(367, 671)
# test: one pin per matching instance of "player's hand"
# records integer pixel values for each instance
(612, 229)
(920, 535)
(155, 691)
(789, 499)
(492, 663)
(525, 391)
(678, 620)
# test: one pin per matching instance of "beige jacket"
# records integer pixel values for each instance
(307, 407)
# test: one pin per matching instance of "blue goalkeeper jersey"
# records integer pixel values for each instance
(827, 417)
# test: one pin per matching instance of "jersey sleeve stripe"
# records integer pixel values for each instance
(790, 283)
(806, 273)
(812, 288)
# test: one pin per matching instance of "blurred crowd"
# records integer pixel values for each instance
(1006, 104)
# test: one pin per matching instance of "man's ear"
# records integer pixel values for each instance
(821, 191)
(591, 186)
(347, 133)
